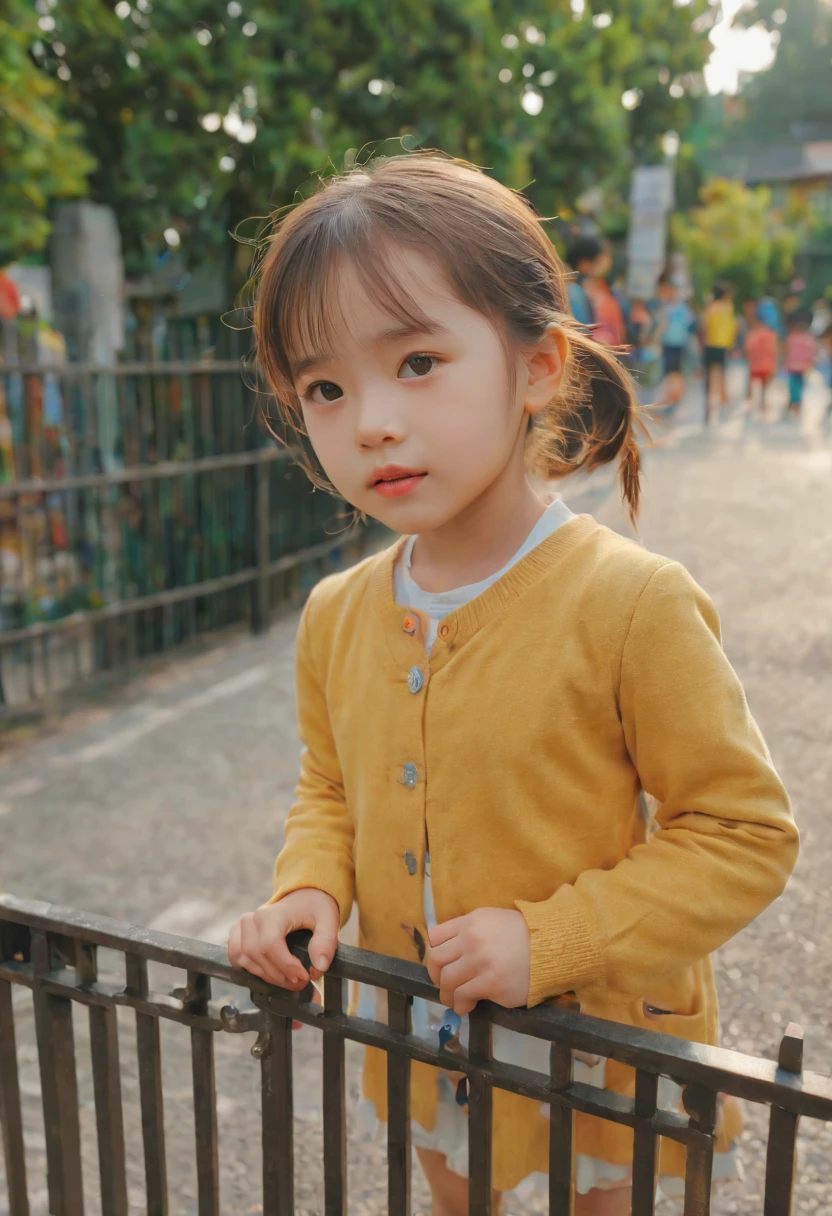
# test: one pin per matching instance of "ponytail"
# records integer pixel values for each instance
(594, 418)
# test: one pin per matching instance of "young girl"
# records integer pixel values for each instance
(483, 704)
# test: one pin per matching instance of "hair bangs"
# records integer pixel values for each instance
(313, 307)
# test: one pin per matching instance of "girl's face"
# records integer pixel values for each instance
(413, 426)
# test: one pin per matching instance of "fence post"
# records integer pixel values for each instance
(645, 1144)
(398, 1110)
(480, 1108)
(782, 1132)
(107, 1089)
(335, 1105)
(195, 1001)
(148, 1049)
(260, 588)
(274, 1051)
(56, 1054)
(700, 1103)
(561, 1135)
(11, 1119)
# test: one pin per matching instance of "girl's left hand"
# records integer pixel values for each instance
(484, 956)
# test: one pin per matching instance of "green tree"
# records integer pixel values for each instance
(41, 152)
(737, 236)
(795, 92)
(202, 114)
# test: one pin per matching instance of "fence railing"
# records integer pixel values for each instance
(54, 952)
(141, 505)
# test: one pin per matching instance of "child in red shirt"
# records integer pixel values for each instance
(761, 354)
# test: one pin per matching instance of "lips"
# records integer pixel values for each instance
(395, 481)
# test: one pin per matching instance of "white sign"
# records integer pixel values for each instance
(651, 201)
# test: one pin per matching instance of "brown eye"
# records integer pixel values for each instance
(416, 365)
(325, 390)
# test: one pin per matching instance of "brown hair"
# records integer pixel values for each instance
(499, 261)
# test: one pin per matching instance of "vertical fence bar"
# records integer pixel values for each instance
(645, 1144)
(260, 589)
(398, 1110)
(59, 1089)
(150, 1092)
(46, 666)
(480, 1095)
(205, 1099)
(700, 1103)
(335, 1106)
(782, 1132)
(274, 1050)
(14, 1153)
(561, 1133)
(106, 1076)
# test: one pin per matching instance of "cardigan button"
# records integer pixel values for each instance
(411, 776)
(410, 862)
(409, 626)
(444, 630)
(415, 680)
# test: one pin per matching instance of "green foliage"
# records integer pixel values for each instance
(323, 82)
(796, 91)
(40, 151)
(736, 236)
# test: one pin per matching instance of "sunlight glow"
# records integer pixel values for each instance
(736, 50)
(532, 101)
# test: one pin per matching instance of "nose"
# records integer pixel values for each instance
(379, 422)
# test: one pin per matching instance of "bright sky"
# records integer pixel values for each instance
(736, 50)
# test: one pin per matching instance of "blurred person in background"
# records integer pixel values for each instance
(609, 325)
(821, 316)
(619, 290)
(746, 320)
(800, 352)
(760, 347)
(676, 322)
(581, 257)
(9, 299)
(718, 330)
(824, 366)
(769, 314)
(641, 326)
(792, 302)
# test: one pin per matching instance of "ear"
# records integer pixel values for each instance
(544, 365)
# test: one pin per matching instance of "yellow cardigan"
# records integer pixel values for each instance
(590, 671)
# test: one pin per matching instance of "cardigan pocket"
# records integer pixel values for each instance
(692, 1025)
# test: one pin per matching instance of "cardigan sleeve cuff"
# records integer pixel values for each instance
(334, 881)
(565, 951)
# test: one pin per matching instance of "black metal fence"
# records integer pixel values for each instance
(140, 506)
(54, 952)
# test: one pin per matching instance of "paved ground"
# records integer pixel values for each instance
(166, 806)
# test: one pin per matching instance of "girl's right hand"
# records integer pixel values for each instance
(258, 941)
